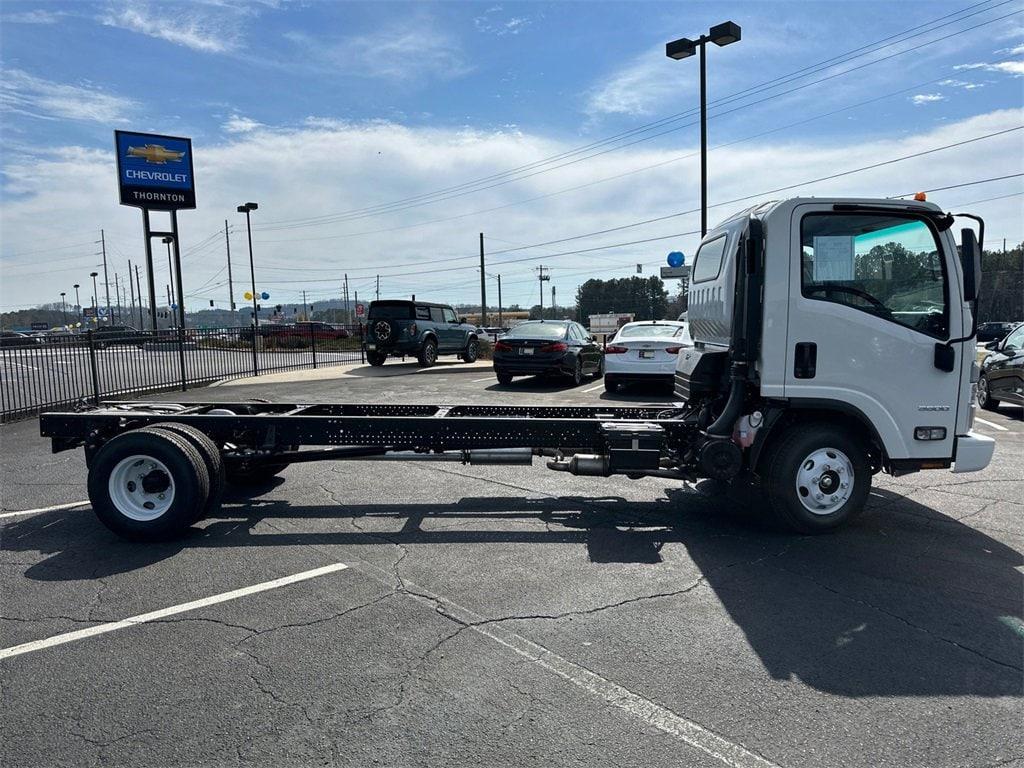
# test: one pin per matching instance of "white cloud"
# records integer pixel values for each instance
(1015, 51)
(965, 84)
(328, 166)
(490, 22)
(1015, 68)
(241, 124)
(927, 98)
(211, 29)
(26, 94)
(638, 88)
(36, 16)
(403, 52)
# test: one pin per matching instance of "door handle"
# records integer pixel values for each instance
(805, 362)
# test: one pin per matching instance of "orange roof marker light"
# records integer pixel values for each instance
(921, 197)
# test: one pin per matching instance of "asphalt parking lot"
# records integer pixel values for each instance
(438, 614)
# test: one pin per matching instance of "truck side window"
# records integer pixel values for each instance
(886, 265)
(436, 315)
(422, 313)
(708, 261)
(449, 315)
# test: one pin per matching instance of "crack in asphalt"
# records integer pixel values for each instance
(898, 617)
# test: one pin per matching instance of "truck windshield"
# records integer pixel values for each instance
(396, 311)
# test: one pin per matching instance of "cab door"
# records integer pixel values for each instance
(871, 295)
(450, 332)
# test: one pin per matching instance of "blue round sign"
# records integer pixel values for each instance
(676, 259)
(264, 295)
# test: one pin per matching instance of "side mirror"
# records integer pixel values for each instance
(970, 258)
(992, 345)
(462, 320)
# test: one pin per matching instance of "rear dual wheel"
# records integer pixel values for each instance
(148, 484)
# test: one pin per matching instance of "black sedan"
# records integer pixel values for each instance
(546, 347)
(1002, 372)
(994, 331)
(15, 339)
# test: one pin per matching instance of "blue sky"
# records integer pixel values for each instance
(318, 108)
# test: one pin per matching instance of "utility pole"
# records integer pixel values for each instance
(378, 287)
(131, 289)
(500, 323)
(106, 280)
(138, 289)
(304, 305)
(483, 284)
(542, 278)
(117, 296)
(348, 315)
(554, 305)
(231, 289)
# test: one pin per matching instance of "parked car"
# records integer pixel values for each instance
(547, 347)
(645, 352)
(15, 339)
(1002, 372)
(109, 335)
(418, 328)
(994, 331)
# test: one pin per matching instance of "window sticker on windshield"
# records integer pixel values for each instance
(833, 258)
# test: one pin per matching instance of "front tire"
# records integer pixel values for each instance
(577, 373)
(148, 484)
(817, 478)
(985, 399)
(472, 351)
(428, 353)
(376, 359)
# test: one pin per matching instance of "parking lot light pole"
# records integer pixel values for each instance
(248, 208)
(95, 292)
(721, 35)
(64, 307)
(78, 301)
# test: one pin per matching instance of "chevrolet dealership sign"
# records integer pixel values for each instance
(155, 171)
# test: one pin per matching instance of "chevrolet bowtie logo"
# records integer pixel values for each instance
(155, 153)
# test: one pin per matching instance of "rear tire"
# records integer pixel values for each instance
(577, 373)
(985, 400)
(503, 378)
(428, 353)
(817, 478)
(148, 485)
(211, 458)
(376, 358)
(472, 351)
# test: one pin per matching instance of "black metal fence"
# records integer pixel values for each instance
(60, 370)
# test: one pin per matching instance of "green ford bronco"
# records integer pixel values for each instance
(418, 328)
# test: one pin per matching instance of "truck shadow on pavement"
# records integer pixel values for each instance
(904, 602)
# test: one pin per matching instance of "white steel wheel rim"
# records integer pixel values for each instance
(824, 481)
(127, 491)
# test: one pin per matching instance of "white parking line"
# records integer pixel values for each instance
(69, 637)
(640, 707)
(54, 508)
(477, 381)
(990, 424)
(594, 388)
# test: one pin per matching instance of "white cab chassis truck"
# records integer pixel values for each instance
(834, 339)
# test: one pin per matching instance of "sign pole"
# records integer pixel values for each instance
(150, 281)
(177, 269)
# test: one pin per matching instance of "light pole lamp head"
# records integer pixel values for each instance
(683, 48)
(76, 286)
(93, 274)
(242, 209)
(724, 33)
(63, 294)
(248, 207)
(168, 240)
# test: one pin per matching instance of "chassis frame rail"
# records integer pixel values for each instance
(398, 427)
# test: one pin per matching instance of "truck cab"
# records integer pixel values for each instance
(848, 318)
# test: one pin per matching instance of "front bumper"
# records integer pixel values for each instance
(972, 452)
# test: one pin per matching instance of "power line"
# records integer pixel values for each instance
(446, 193)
